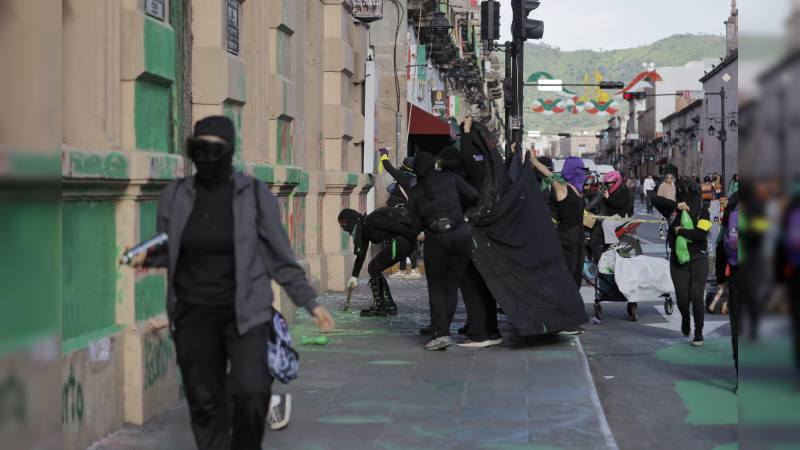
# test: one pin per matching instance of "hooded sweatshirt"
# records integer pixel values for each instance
(687, 192)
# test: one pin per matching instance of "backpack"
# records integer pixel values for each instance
(395, 220)
(731, 240)
(283, 359)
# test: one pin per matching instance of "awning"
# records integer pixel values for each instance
(423, 122)
(661, 161)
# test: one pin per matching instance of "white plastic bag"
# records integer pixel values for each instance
(606, 263)
(642, 278)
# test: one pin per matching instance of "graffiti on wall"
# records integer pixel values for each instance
(111, 165)
(157, 357)
(71, 400)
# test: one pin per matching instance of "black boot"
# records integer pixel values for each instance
(378, 307)
(387, 296)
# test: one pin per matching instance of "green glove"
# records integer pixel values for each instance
(681, 243)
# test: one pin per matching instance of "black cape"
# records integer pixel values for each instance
(516, 249)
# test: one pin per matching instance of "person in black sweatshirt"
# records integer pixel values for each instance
(405, 179)
(690, 277)
(395, 248)
(435, 204)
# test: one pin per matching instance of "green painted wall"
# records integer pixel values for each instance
(152, 116)
(234, 113)
(30, 285)
(159, 49)
(89, 267)
(150, 290)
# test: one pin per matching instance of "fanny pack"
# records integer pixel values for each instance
(441, 225)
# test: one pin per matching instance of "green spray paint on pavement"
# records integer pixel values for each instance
(715, 353)
(709, 402)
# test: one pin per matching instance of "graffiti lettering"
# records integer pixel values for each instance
(114, 165)
(71, 400)
(12, 401)
(157, 356)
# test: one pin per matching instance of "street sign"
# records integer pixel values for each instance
(534, 133)
(694, 94)
(154, 8)
(550, 85)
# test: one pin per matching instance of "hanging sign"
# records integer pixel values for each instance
(233, 26)
(368, 10)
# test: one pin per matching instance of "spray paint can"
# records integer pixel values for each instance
(153, 242)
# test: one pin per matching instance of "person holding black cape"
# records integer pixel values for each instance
(435, 204)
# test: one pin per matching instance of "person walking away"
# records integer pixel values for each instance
(219, 299)
(404, 181)
(384, 225)
(637, 186)
(649, 190)
(689, 278)
(734, 186)
(569, 204)
(727, 250)
(618, 201)
(595, 205)
(667, 190)
(435, 204)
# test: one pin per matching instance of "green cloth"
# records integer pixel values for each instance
(681, 243)
(546, 182)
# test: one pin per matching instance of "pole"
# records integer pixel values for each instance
(723, 136)
(398, 120)
(506, 112)
(516, 133)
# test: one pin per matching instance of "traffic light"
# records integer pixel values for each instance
(611, 85)
(633, 95)
(601, 135)
(508, 94)
(490, 18)
(522, 27)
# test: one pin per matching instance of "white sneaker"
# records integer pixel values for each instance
(279, 410)
(397, 275)
(414, 275)
(474, 344)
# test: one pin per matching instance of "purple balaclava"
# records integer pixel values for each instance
(574, 172)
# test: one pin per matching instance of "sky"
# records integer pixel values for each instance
(616, 24)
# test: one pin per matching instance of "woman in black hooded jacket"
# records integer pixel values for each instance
(436, 207)
(690, 277)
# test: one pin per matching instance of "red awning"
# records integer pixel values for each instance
(423, 122)
(661, 161)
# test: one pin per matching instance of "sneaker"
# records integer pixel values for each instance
(495, 339)
(469, 343)
(571, 331)
(439, 343)
(698, 341)
(279, 410)
(427, 331)
(398, 275)
(686, 327)
(663, 238)
(414, 274)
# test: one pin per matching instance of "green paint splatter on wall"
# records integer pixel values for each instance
(352, 179)
(264, 173)
(113, 165)
(159, 49)
(88, 267)
(234, 113)
(150, 296)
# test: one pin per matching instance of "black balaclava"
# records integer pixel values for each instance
(424, 163)
(348, 219)
(451, 160)
(689, 192)
(408, 165)
(213, 169)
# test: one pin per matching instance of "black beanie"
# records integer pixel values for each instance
(219, 126)
(546, 161)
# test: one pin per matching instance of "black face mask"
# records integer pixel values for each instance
(214, 160)
(687, 191)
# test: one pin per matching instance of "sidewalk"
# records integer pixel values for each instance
(373, 386)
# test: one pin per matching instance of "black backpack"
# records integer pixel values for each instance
(394, 220)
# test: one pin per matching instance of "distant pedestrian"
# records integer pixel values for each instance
(436, 207)
(666, 190)
(689, 278)
(716, 185)
(226, 243)
(649, 191)
(734, 185)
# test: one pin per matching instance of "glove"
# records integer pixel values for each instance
(353, 282)
(384, 157)
(384, 151)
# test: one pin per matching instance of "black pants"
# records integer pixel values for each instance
(733, 313)
(572, 245)
(650, 201)
(480, 303)
(395, 250)
(689, 280)
(205, 340)
(596, 241)
(415, 256)
(446, 258)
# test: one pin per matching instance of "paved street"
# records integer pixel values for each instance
(373, 386)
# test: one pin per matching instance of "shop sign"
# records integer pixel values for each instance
(368, 10)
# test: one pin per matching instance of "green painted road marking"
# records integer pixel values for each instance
(354, 420)
(731, 446)
(390, 363)
(709, 402)
(715, 352)
(516, 447)
(769, 402)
